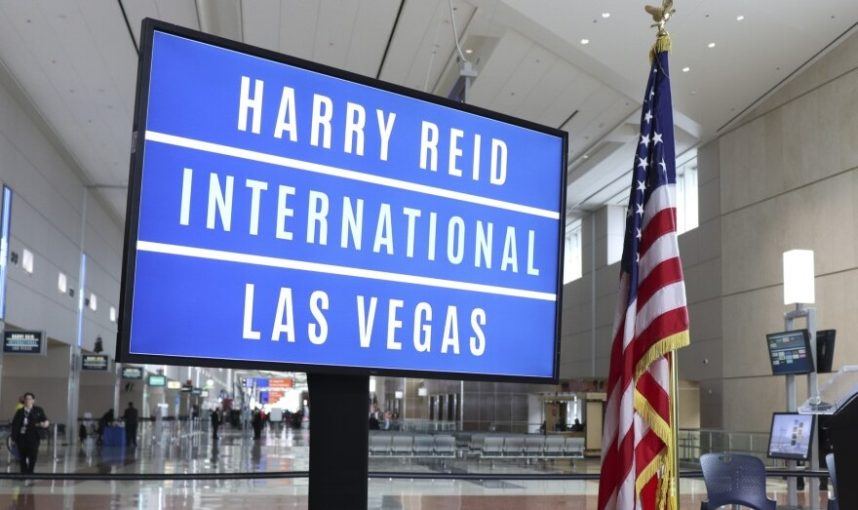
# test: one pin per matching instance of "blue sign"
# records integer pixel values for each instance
(256, 382)
(290, 214)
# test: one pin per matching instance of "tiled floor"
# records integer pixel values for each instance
(292, 494)
(286, 451)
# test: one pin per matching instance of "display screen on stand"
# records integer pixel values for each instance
(791, 436)
(790, 353)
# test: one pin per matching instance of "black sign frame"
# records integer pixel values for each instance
(37, 335)
(123, 354)
(140, 370)
(93, 357)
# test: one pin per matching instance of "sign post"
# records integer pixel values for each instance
(290, 216)
(339, 440)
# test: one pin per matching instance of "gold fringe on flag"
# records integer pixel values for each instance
(662, 44)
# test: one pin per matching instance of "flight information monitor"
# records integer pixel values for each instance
(791, 436)
(789, 352)
(289, 215)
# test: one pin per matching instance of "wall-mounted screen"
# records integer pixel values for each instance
(157, 381)
(95, 362)
(287, 214)
(24, 342)
(132, 373)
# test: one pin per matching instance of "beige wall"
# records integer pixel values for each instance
(41, 375)
(789, 180)
(786, 177)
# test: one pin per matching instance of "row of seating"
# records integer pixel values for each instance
(386, 444)
(526, 446)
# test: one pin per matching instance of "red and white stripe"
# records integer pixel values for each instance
(629, 444)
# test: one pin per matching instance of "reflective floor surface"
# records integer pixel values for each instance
(292, 494)
(279, 449)
(285, 450)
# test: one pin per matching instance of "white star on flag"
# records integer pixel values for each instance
(643, 163)
(645, 140)
(641, 186)
(656, 138)
(648, 116)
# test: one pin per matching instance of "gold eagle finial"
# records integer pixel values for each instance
(661, 14)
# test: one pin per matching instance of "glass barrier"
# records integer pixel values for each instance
(835, 393)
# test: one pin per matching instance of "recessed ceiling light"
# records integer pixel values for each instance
(739, 17)
(606, 15)
(585, 41)
(469, 51)
(585, 156)
(686, 69)
(711, 45)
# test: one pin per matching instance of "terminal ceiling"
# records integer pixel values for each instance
(75, 63)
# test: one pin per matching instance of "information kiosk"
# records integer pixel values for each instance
(291, 216)
(839, 400)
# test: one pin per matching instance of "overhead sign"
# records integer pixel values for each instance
(281, 383)
(290, 215)
(24, 342)
(157, 381)
(95, 362)
(132, 373)
(174, 385)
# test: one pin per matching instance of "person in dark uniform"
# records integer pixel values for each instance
(256, 422)
(25, 431)
(130, 417)
(215, 417)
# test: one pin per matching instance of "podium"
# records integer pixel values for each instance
(837, 403)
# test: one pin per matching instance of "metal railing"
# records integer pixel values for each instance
(692, 443)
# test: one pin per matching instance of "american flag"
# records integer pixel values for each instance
(651, 319)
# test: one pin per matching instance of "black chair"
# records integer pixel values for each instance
(832, 492)
(734, 479)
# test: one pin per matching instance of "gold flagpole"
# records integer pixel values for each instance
(674, 428)
(660, 15)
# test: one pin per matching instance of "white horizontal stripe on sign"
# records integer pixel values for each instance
(343, 173)
(316, 267)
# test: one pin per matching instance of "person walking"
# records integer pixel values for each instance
(25, 431)
(215, 417)
(130, 417)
